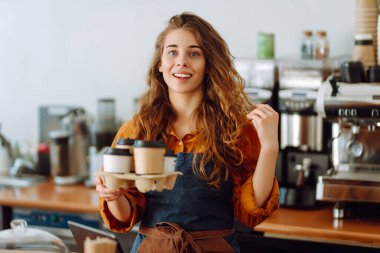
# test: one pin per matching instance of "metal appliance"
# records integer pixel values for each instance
(69, 148)
(303, 133)
(354, 110)
(103, 131)
(6, 158)
(260, 80)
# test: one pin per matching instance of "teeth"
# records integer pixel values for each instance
(182, 75)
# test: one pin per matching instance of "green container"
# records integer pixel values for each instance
(265, 45)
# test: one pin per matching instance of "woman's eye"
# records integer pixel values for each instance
(174, 53)
(194, 54)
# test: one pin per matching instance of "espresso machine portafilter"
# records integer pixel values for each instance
(354, 179)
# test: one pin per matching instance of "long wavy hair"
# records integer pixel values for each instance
(221, 115)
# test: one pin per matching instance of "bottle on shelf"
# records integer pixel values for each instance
(307, 45)
(321, 46)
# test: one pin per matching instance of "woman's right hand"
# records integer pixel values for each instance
(105, 193)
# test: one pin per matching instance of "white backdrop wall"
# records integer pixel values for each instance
(72, 52)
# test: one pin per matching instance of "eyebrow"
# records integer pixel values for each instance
(191, 46)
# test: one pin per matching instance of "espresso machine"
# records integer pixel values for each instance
(69, 147)
(353, 182)
(303, 133)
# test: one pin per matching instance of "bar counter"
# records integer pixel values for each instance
(48, 196)
(319, 226)
(309, 225)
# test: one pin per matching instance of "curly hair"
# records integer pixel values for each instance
(221, 115)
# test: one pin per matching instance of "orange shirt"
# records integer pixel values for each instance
(243, 200)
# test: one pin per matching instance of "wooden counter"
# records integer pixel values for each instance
(70, 198)
(310, 225)
(319, 225)
(47, 196)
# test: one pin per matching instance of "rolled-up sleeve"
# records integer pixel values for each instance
(136, 199)
(245, 206)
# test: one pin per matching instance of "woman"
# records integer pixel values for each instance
(226, 151)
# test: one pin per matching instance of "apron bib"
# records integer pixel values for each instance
(192, 217)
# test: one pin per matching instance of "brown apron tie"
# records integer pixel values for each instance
(181, 240)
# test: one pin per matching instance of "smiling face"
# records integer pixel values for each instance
(183, 63)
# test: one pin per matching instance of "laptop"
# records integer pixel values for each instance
(81, 232)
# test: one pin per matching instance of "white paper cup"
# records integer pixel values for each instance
(127, 143)
(117, 160)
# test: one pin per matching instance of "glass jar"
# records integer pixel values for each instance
(265, 45)
(321, 46)
(307, 45)
(20, 238)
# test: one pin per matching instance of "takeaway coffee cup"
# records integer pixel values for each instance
(170, 161)
(117, 160)
(149, 157)
(125, 143)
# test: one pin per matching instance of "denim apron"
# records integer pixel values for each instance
(192, 209)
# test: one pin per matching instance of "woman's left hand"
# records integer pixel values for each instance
(265, 120)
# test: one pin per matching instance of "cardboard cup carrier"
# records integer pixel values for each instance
(154, 168)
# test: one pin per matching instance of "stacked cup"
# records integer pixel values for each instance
(366, 23)
(127, 143)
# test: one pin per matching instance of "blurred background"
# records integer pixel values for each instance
(67, 52)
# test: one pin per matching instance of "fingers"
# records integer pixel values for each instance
(261, 111)
(111, 195)
(104, 192)
(108, 194)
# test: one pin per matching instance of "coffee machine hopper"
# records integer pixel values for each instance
(354, 179)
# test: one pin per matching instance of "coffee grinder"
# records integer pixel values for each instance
(103, 132)
(303, 133)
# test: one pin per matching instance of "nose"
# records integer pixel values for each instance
(181, 60)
